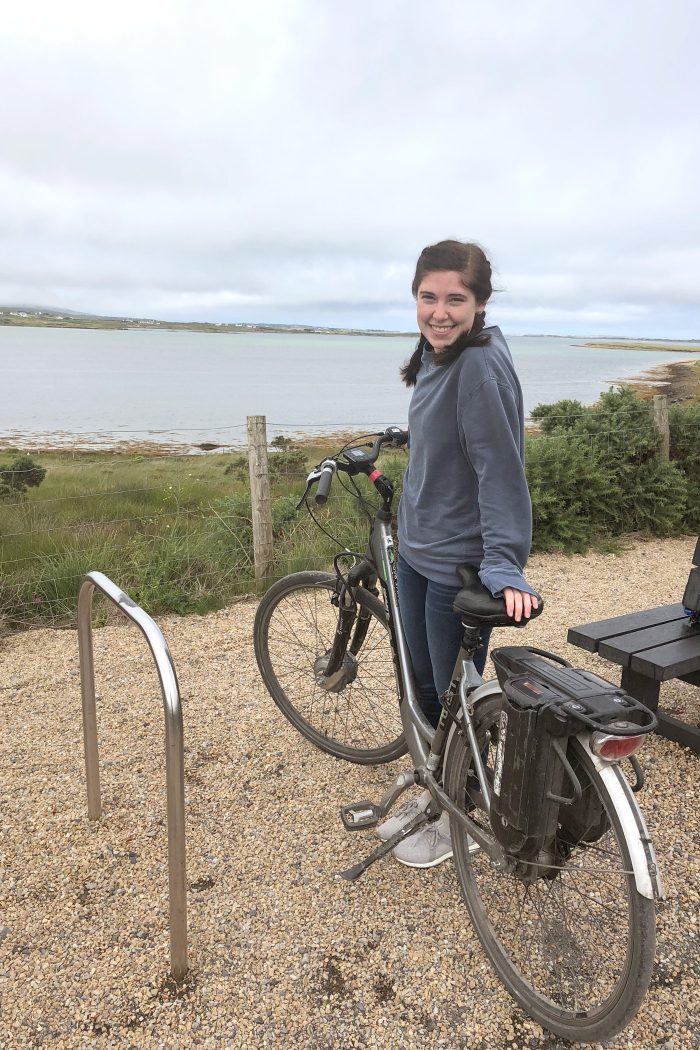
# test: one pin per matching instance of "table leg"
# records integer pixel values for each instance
(644, 689)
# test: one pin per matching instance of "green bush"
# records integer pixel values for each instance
(594, 472)
(684, 425)
(569, 492)
(238, 468)
(562, 415)
(287, 461)
(19, 475)
(282, 461)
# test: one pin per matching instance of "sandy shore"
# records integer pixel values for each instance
(283, 953)
(679, 381)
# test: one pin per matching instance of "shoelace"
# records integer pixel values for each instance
(432, 834)
(406, 807)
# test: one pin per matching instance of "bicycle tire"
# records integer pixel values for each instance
(294, 627)
(575, 950)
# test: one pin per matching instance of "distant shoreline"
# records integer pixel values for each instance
(652, 345)
(16, 317)
(679, 380)
(25, 319)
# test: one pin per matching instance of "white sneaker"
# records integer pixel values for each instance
(406, 812)
(430, 845)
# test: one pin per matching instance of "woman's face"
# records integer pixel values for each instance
(445, 308)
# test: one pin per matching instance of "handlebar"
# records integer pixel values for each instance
(355, 461)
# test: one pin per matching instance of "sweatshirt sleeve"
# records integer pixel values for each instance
(490, 428)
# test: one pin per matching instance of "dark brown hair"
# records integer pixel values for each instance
(474, 269)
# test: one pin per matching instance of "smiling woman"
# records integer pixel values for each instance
(465, 499)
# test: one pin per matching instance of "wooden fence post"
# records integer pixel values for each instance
(260, 495)
(661, 421)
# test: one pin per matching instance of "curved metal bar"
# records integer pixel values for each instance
(174, 758)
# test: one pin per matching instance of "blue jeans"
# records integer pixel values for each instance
(433, 635)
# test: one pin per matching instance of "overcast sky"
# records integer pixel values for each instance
(286, 160)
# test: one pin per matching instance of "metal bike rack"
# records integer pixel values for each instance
(174, 760)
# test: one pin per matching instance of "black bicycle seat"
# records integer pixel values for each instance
(478, 607)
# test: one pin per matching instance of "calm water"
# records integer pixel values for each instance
(100, 388)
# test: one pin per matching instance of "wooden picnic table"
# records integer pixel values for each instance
(652, 647)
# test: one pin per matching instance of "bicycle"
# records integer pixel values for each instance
(562, 886)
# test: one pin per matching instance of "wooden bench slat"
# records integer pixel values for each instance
(621, 647)
(669, 661)
(589, 635)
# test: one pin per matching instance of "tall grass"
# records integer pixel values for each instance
(174, 533)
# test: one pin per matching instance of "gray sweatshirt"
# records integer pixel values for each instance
(465, 497)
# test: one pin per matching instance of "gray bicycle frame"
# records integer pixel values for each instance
(417, 730)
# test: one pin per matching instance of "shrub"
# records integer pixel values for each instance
(569, 492)
(238, 467)
(684, 425)
(19, 475)
(594, 470)
(288, 461)
(562, 415)
(281, 463)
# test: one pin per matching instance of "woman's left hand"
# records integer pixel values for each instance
(519, 604)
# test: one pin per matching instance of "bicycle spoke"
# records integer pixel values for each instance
(360, 711)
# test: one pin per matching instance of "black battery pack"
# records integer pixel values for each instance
(536, 786)
(529, 776)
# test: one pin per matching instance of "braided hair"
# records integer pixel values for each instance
(470, 262)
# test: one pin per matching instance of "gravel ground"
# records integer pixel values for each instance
(283, 953)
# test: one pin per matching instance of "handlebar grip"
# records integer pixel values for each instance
(324, 484)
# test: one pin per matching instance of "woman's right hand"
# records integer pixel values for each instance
(519, 604)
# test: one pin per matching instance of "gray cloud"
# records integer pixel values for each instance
(287, 161)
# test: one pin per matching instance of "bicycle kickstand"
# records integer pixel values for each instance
(433, 809)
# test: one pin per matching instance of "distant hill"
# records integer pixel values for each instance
(45, 317)
(45, 311)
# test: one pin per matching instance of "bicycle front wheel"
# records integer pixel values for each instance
(357, 716)
(573, 940)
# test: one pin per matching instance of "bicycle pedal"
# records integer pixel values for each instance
(359, 816)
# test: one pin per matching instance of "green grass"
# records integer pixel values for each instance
(175, 533)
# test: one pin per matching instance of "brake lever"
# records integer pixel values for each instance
(313, 476)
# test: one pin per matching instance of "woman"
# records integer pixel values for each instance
(465, 497)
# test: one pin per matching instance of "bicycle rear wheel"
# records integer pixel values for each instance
(574, 945)
(359, 718)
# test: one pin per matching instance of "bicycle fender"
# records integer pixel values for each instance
(487, 689)
(639, 844)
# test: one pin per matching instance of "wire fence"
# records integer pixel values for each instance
(176, 532)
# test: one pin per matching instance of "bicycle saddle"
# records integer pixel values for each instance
(477, 606)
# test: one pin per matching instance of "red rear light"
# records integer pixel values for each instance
(613, 747)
